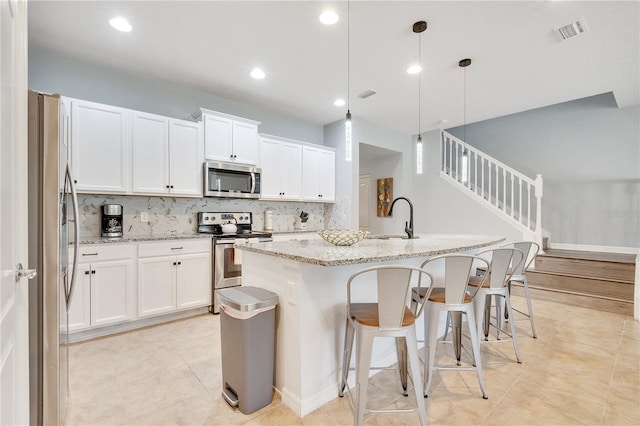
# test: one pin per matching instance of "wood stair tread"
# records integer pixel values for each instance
(590, 255)
(585, 276)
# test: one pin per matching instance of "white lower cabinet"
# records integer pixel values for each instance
(104, 291)
(173, 276)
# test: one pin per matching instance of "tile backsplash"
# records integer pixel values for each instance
(175, 216)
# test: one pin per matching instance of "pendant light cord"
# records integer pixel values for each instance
(464, 109)
(348, 55)
(419, 82)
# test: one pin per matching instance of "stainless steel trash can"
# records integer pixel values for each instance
(247, 333)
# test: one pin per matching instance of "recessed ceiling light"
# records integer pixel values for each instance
(257, 73)
(414, 69)
(329, 17)
(339, 102)
(121, 24)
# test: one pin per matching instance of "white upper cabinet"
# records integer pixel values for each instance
(318, 174)
(100, 150)
(229, 138)
(185, 157)
(281, 163)
(150, 145)
(167, 155)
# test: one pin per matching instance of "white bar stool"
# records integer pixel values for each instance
(454, 298)
(494, 283)
(384, 314)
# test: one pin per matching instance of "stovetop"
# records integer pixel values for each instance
(211, 223)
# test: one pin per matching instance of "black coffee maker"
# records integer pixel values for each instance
(111, 220)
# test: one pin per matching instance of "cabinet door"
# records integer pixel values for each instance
(186, 158)
(245, 142)
(310, 173)
(270, 187)
(80, 307)
(218, 133)
(156, 285)
(111, 284)
(327, 175)
(291, 171)
(194, 280)
(150, 146)
(100, 147)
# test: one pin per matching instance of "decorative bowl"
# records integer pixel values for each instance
(342, 237)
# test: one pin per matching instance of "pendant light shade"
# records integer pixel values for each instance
(419, 28)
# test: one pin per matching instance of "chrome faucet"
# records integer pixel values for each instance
(407, 228)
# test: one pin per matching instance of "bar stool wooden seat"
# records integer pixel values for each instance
(387, 315)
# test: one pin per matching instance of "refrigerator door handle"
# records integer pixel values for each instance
(76, 231)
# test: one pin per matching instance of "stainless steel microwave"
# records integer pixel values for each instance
(231, 180)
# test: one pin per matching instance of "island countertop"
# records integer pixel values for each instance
(371, 250)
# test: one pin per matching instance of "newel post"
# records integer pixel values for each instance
(538, 193)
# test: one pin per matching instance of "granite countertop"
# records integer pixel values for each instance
(370, 250)
(138, 238)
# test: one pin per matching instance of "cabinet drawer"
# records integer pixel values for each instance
(174, 247)
(99, 252)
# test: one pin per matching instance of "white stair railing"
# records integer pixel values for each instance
(514, 196)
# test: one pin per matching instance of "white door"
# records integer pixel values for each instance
(14, 309)
(194, 280)
(245, 142)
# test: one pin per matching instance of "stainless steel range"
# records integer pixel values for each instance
(227, 229)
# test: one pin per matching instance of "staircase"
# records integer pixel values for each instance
(601, 281)
(508, 193)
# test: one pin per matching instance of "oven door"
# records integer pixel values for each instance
(227, 268)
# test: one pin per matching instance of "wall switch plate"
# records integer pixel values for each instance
(144, 217)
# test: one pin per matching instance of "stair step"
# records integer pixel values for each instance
(572, 299)
(580, 285)
(602, 266)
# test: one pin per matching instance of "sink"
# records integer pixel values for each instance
(386, 236)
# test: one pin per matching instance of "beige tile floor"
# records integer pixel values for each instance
(584, 368)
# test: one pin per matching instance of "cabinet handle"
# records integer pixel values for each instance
(93, 272)
(75, 181)
(174, 263)
(179, 263)
(89, 254)
(177, 248)
(87, 272)
(171, 186)
(167, 186)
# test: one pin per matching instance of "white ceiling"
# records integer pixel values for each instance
(519, 59)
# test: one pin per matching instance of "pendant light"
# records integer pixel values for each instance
(464, 63)
(419, 28)
(347, 122)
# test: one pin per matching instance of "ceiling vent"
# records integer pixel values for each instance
(573, 29)
(367, 93)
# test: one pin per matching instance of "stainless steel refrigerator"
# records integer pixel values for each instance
(53, 231)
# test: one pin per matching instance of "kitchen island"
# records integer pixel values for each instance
(310, 279)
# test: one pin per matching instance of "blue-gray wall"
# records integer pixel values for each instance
(588, 152)
(55, 73)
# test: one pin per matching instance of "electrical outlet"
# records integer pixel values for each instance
(144, 217)
(291, 293)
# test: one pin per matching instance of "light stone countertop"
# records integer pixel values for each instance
(370, 250)
(138, 238)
